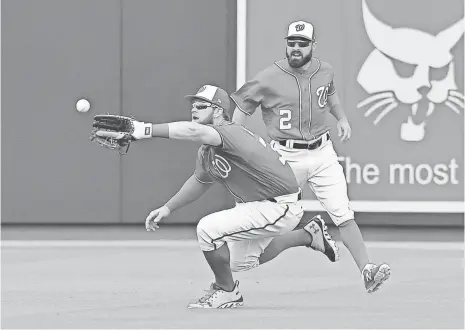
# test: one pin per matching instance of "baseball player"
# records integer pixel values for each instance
(295, 95)
(264, 187)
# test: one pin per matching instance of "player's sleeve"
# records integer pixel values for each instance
(248, 97)
(200, 172)
(232, 137)
(331, 87)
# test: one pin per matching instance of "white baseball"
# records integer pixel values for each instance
(82, 105)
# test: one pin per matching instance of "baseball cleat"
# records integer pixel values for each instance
(374, 276)
(216, 297)
(321, 239)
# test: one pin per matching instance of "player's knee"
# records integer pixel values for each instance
(346, 222)
(205, 235)
(341, 215)
(243, 265)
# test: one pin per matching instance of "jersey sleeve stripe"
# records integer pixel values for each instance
(237, 105)
(204, 182)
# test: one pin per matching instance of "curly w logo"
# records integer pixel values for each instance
(299, 27)
(222, 166)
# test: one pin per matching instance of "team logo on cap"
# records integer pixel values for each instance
(299, 27)
(202, 89)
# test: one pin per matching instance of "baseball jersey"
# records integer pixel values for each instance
(294, 102)
(246, 165)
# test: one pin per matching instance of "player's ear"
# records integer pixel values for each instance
(314, 45)
(217, 112)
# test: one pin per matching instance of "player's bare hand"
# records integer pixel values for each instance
(343, 129)
(154, 217)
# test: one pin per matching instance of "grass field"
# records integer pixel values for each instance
(147, 284)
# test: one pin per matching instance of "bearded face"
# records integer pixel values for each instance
(202, 112)
(298, 52)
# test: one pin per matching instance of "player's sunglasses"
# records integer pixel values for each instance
(201, 106)
(301, 44)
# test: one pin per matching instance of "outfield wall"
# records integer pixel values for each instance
(404, 164)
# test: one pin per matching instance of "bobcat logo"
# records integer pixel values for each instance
(409, 67)
(201, 89)
(299, 27)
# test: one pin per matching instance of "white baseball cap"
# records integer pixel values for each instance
(301, 29)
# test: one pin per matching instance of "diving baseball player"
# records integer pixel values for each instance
(296, 95)
(264, 187)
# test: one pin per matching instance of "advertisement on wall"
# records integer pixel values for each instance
(399, 74)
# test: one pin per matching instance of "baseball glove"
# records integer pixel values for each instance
(116, 132)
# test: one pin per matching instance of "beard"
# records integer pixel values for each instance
(207, 120)
(298, 63)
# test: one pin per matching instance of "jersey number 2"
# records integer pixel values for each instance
(284, 121)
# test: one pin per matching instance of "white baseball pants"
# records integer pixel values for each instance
(248, 228)
(324, 175)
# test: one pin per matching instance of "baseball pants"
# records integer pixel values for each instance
(324, 175)
(248, 228)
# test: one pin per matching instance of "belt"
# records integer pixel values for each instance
(310, 145)
(287, 198)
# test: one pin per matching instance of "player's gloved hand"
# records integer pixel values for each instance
(117, 132)
(343, 129)
(154, 217)
(137, 130)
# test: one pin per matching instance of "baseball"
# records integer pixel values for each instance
(82, 105)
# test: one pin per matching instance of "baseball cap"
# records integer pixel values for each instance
(301, 29)
(214, 95)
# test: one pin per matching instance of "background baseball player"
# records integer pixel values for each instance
(295, 95)
(264, 187)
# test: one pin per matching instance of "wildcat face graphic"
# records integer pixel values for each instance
(412, 68)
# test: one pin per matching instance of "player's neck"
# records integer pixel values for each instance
(219, 121)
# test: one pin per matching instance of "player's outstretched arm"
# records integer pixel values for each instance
(116, 132)
(186, 130)
(191, 190)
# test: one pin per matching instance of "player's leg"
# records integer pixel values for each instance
(248, 228)
(320, 238)
(296, 158)
(218, 260)
(281, 243)
(243, 223)
(314, 234)
(224, 292)
(248, 254)
(330, 187)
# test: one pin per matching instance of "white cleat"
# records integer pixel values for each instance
(216, 297)
(321, 239)
(374, 276)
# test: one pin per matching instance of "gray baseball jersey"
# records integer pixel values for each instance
(294, 103)
(246, 165)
